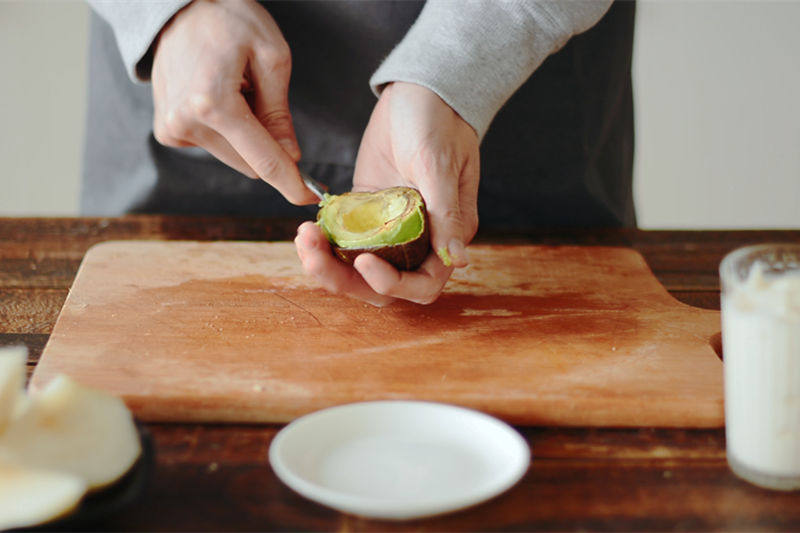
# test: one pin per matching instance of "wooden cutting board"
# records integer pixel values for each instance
(224, 332)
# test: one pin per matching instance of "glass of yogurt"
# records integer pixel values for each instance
(761, 351)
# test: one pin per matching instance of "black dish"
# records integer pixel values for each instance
(100, 505)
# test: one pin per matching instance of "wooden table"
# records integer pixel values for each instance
(218, 477)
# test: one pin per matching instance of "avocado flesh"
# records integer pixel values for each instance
(390, 223)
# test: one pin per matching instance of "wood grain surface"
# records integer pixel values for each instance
(217, 478)
(235, 332)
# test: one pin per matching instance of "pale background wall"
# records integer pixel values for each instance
(717, 109)
(42, 105)
(717, 89)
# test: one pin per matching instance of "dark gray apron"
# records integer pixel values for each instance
(559, 153)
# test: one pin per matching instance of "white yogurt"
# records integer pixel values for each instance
(761, 345)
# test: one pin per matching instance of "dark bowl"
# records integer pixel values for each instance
(105, 503)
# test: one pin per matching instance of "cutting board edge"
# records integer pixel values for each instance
(611, 412)
(712, 417)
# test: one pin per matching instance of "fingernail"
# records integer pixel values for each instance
(458, 253)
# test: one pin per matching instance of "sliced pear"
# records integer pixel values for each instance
(29, 496)
(12, 381)
(23, 400)
(72, 429)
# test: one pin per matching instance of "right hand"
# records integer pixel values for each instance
(221, 81)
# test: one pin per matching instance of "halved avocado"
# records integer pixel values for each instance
(391, 223)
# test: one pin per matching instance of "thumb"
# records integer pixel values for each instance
(441, 195)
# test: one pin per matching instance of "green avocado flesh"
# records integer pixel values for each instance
(391, 219)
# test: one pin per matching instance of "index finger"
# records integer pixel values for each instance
(261, 152)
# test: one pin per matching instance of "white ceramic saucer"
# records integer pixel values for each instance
(398, 459)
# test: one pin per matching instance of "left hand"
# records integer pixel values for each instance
(416, 140)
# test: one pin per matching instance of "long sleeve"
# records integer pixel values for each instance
(136, 23)
(475, 54)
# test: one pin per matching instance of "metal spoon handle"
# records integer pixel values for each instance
(314, 186)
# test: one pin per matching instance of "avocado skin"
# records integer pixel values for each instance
(408, 256)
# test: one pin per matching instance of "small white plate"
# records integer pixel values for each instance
(398, 459)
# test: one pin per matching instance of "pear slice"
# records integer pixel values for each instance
(29, 496)
(12, 381)
(72, 429)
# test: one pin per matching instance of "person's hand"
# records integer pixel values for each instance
(413, 139)
(220, 81)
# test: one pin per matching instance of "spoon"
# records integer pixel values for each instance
(314, 186)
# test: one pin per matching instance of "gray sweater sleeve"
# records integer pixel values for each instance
(136, 24)
(475, 53)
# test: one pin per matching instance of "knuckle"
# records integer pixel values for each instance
(277, 57)
(276, 118)
(282, 60)
(176, 126)
(171, 132)
(268, 168)
(451, 216)
(161, 135)
(452, 213)
(429, 161)
(203, 106)
(425, 160)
